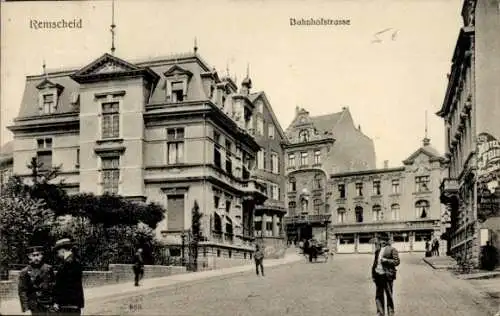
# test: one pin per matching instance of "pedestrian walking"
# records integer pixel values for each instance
(36, 284)
(383, 274)
(428, 250)
(68, 288)
(435, 247)
(138, 267)
(489, 257)
(259, 258)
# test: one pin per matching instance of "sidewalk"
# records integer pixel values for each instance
(12, 306)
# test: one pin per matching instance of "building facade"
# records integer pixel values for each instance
(471, 112)
(402, 201)
(318, 146)
(270, 171)
(168, 130)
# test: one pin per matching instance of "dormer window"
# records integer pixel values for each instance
(177, 92)
(177, 80)
(304, 136)
(48, 103)
(48, 96)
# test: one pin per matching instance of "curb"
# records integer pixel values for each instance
(481, 276)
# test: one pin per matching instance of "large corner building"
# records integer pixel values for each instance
(317, 147)
(471, 112)
(169, 130)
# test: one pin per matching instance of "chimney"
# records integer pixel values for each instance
(359, 127)
(386, 164)
(297, 109)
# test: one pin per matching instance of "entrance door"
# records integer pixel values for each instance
(306, 232)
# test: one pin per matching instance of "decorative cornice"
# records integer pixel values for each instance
(366, 172)
(327, 140)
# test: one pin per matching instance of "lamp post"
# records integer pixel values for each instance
(183, 238)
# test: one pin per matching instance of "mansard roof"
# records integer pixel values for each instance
(107, 65)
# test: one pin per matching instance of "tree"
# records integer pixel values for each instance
(23, 222)
(41, 188)
(196, 235)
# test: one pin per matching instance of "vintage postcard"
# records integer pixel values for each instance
(250, 157)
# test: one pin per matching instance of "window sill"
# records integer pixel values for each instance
(422, 192)
(109, 140)
(317, 165)
(395, 194)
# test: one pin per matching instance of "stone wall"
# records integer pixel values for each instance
(214, 256)
(118, 273)
(274, 247)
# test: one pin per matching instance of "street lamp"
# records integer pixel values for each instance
(183, 238)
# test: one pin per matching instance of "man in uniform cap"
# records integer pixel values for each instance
(68, 288)
(36, 284)
(384, 273)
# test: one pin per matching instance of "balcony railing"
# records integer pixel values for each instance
(304, 219)
(449, 185)
(386, 225)
(229, 238)
(217, 236)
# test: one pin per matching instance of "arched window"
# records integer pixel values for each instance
(291, 208)
(318, 181)
(359, 214)
(317, 204)
(292, 184)
(341, 215)
(377, 213)
(395, 212)
(422, 209)
(304, 136)
(229, 227)
(217, 223)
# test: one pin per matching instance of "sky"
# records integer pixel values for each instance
(388, 85)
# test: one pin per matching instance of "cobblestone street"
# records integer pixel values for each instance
(340, 287)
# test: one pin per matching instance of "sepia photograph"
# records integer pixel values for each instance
(250, 157)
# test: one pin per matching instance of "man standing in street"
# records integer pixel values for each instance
(259, 258)
(36, 284)
(383, 274)
(69, 288)
(435, 247)
(138, 266)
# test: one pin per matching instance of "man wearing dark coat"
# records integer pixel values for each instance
(36, 284)
(138, 267)
(68, 288)
(383, 274)
(259, 258)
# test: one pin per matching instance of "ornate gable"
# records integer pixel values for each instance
(47, 84)
(177, 70)
(418, 156)
(108, 66)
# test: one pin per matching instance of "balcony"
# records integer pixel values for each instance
(307, 219)
(217, 236)
(449, 190)
(256, 190)
(273, 204)
(427, 224)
